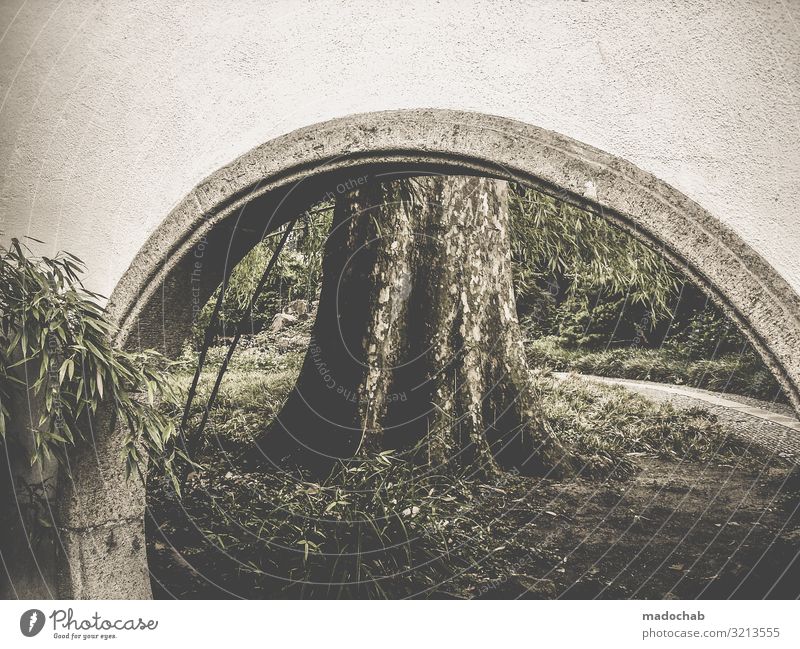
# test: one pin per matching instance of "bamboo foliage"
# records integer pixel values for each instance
(553, 237)
(55, 344)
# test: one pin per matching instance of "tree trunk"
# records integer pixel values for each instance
(416, 341)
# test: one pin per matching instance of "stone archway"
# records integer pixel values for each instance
(101, 515)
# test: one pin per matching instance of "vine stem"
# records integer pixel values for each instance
(191, 441)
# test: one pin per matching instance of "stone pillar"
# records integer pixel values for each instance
(101, 522)
(74, 531)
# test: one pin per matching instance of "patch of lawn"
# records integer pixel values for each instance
(607, 425)
(738, 374)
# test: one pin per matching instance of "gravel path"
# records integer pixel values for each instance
(772, 426)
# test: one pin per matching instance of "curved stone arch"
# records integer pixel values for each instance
(152, 303)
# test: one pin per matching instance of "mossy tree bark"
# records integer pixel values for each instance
(416, 341)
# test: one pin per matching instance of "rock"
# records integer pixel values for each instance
(297, 308)
(281, 320)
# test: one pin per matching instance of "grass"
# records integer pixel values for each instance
(384, 526)
(376, 528)
(607, 424)
(738, 374)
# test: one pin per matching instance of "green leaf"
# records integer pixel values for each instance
(99, 382)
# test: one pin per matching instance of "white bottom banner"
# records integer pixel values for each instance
(398, 624)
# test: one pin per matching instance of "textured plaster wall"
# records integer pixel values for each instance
(111, 112)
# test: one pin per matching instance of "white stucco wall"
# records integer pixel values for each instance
(111, 112)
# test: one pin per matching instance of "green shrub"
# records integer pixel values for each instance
(558, 246)
(707, 334)
(297, 276)
(54, 328)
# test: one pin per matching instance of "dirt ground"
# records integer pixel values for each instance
(673, 531)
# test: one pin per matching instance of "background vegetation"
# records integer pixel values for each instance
(297, 276)
(594, 300)
(590, 297)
